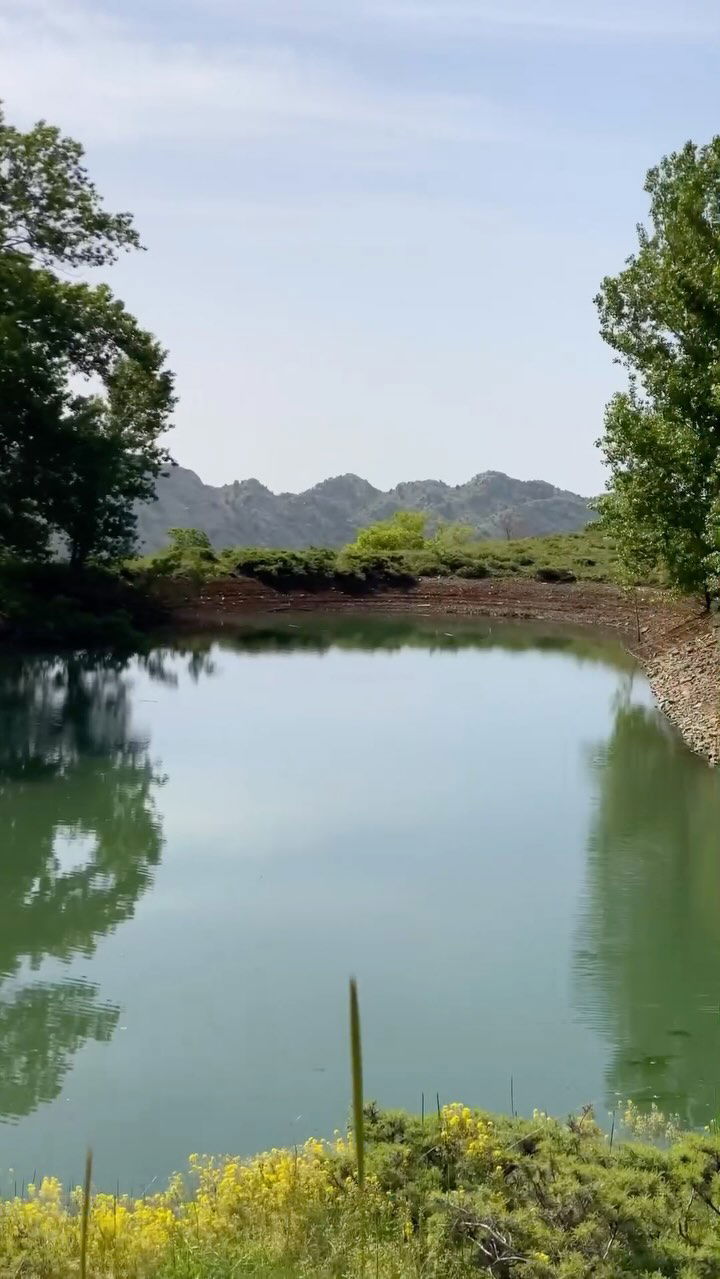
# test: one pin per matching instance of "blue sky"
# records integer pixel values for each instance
(374, 227)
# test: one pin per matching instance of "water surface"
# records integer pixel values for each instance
(492, 826)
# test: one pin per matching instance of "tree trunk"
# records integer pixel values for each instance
(78, 557)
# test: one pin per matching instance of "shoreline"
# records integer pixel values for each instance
(674, 640)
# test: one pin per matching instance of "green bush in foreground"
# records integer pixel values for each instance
(461, 1193)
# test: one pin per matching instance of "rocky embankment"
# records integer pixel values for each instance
(676, 641)
(685, 677)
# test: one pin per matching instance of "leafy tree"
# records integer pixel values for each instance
(190, 555)
(49, 209)
(100, 473)
(69, 463)
(662, 435)
(404, 531)
(189, 539)
(455, 537)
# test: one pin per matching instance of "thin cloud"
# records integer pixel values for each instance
(636, 20)
(110, 83)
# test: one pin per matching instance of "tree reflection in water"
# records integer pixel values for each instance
(81, 836)
(648, 962)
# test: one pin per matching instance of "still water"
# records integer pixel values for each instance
(492, 826)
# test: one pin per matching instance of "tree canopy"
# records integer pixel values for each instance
(661, 314)
(404, 531)
(85, 394)
(49, 208)
(408, 531)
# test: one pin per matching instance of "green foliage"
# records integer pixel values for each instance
(449, 547)
(459, 1194)
(586, 556)
(661, 314)
(49, 604)
(49, 209)
(473, 570)
(590, 556)
(319, 569)
(454, 539)
(190, 556)
(71, 464)
(312, 569)
(404, 531)
(189, 539)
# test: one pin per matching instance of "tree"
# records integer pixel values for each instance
(107, 461)
(70, 463)
(189, 539)
(455, 537)
(509, 525)
(662, 435)
(404, 531)
(49, 209)
(190, 555)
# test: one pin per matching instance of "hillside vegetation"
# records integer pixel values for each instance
(52, 603)
(374, 560)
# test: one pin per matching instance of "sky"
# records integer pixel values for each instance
(374, 228)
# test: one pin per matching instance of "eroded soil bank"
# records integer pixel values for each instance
(676, 641)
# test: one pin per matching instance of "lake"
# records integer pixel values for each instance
(490, 825)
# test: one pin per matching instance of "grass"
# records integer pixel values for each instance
(589, 556)
(357, 1082)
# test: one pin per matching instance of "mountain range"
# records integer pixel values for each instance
(246, 513)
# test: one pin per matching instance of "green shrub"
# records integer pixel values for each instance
(355, 570)
(473, 570)
(403, 531)
(424, 563)
(587, 555)
(313, 569)
(455, 1195)
(51, 604)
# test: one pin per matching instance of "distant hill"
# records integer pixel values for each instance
(246, 513)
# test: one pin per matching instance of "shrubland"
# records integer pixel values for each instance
(454, 1194)
(372, 561)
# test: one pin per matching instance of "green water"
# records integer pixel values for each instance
(491, 826)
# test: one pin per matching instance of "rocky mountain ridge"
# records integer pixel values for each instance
(246, 513)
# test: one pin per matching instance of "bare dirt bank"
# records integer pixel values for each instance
(674, 640)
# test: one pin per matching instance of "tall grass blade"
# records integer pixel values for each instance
(357, 1081)
(85, 1214)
